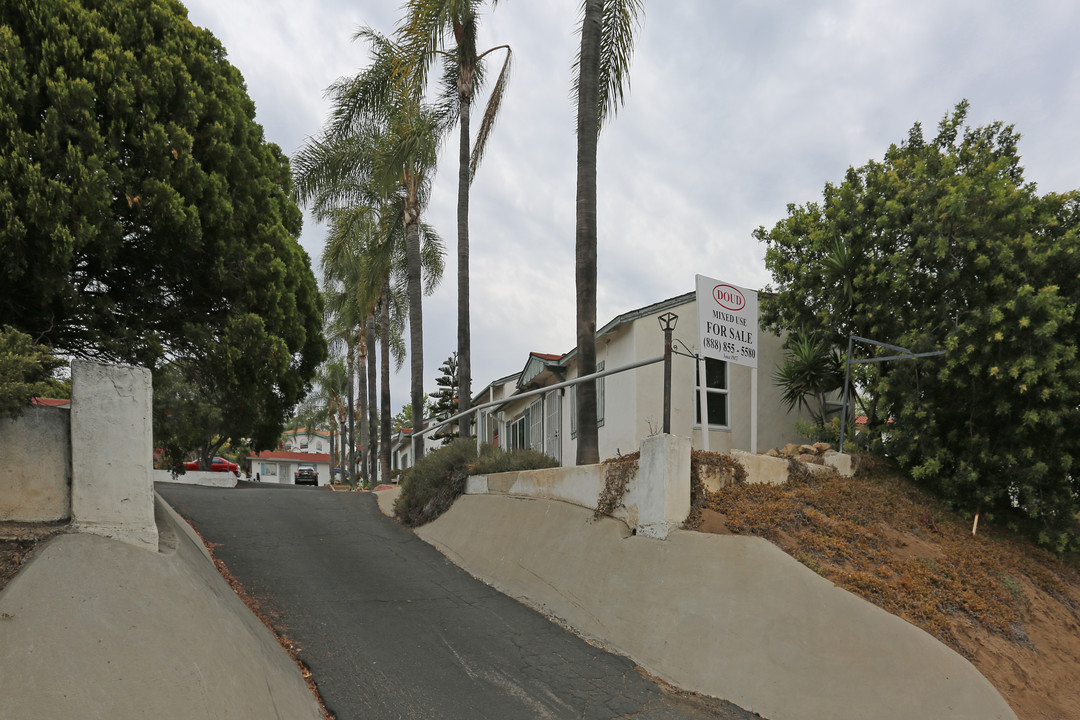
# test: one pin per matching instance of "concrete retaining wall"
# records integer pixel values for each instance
(35, 465)
(95, 628)
(657, 498)
(196, 477)
(729, 616)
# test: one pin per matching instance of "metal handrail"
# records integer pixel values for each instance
(905, 355)
(540, 391)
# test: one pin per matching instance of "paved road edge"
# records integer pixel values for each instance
(731, 617)
(92, 627)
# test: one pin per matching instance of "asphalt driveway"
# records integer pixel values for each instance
(391, 629)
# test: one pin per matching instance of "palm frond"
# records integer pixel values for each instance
(620, 22)
(491, 113)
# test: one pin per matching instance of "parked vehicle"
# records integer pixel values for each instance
(218, 464)
(306, 475)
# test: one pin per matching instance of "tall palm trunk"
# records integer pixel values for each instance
(373, 405)
(416, 322)
(350, 416)
(588, 130)
(384, 342)
(465, 86)
(364, 359)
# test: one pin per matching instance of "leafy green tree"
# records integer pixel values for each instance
(603, 66)
(404, 417)
(143, 216)
(188, 417)
(26, 371)
(430, 26)
(942, 244)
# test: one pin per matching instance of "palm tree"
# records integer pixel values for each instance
(432, 24)
(345, 309)
(603, 64)
(324, 404)
(380, 150)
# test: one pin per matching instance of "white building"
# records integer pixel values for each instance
(279, 466)
(306, 440)
(630, 404)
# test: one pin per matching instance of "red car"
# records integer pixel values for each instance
(217, 465)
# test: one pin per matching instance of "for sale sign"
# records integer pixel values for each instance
(727, 321)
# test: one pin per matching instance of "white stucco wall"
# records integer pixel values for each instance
(35, 465)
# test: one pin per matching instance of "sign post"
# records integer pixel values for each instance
(728, 331)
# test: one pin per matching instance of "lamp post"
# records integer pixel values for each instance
(667, 324)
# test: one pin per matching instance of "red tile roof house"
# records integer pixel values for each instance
(278, 466)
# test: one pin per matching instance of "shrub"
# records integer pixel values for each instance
(492, 460)
(430, 487)
(26, 371)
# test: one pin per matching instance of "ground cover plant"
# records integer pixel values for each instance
(429, 488)
(1010, 607)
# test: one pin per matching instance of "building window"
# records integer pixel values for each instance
(303, 444)
(269, 469)
(519, 432)
(716, 392)
(318, 446)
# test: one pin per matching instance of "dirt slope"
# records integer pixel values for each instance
(1011, 608)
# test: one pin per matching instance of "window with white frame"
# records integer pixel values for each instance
(716, 392)
(519, 432)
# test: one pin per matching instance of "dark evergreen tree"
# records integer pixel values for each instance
(446, 397)
(143, 216)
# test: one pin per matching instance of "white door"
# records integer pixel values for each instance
(553, 425)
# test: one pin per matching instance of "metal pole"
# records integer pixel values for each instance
(667, 381)
(847, 382)
(704, 402)
(753, 410)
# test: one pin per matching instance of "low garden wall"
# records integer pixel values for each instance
(196, 477)
(89, 463)
(657, 494)
(35, 465)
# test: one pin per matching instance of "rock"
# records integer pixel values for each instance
(810, 459)
(822, 447)
(790, 450)
(842, 462)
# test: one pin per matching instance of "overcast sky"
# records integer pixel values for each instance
(736, 109)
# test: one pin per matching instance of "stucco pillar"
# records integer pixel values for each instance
(112, 493)
(659, 497)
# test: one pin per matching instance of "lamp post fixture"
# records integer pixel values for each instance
(667, 324)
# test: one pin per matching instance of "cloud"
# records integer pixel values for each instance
(736, 109)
